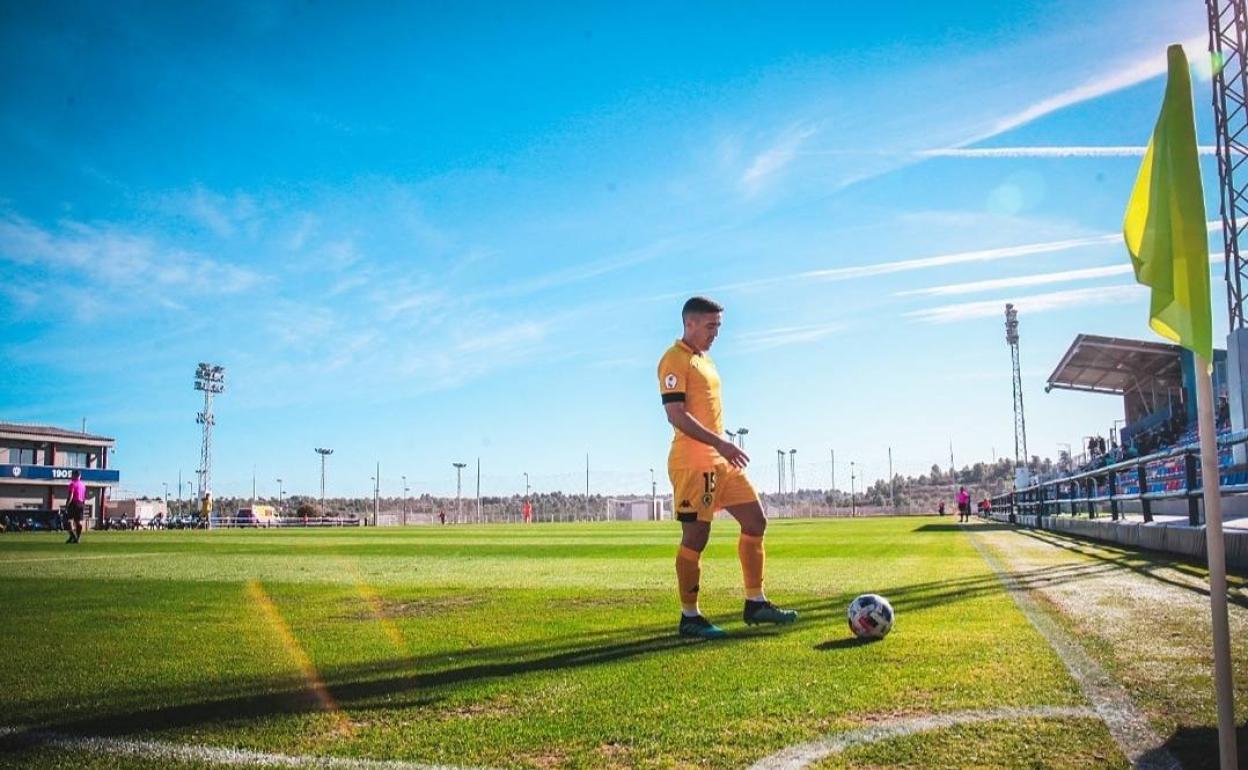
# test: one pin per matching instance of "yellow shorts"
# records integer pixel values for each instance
(699, 494)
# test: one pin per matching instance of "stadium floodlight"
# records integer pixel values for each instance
(323, 453)
(459, 503)
(780, 473)
(853, 499)
(210, 378)
(793, 474)
(741, 436)
(1020, 422)
(654, 497)
(279, 494)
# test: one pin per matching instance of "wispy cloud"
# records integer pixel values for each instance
(1074, 151)
(960, 257)
(788, 335)
(1129, 74)
(1036, 303)
(1038, 279)
(774, 159)
(114, 260)
(224, 216)
(1063, 276)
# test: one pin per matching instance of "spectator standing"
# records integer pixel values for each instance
(74, 507)
(964, 504)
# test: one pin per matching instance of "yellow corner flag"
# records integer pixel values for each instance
(1165, 222)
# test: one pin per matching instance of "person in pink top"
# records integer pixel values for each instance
(74, 506)
(964, 504)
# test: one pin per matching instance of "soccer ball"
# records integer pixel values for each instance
(870, 616)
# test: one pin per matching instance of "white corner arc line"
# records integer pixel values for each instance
(804, 754)
(1128, 727)
(211, 755)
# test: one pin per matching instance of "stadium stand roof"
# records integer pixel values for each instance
(1116, 366)
(28, 430)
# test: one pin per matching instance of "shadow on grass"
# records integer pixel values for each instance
(1196, 748)
(910, 597)
(1141, 562)
(978, 526)
(845, 643)
(353, 687)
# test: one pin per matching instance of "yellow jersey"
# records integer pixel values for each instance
(690, 377)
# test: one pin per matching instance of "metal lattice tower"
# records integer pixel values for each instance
(780, 472)
(1020, 422)
(1228, 42)
(211, 380)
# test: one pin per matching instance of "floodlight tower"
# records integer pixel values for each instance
(793, 474)
(1228, 46)
(323, 453)
(1020, 422)
(459, 503)
(780, 471)
(211, 380)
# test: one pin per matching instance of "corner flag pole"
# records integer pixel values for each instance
(1166, 237)
(1215, 546)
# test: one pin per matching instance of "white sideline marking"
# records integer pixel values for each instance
(161, 750)
(1129, 728)
(804, 754)
(792, 758)
(69, 556)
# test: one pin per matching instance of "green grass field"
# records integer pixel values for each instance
(507, 646)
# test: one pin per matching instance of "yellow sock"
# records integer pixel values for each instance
(750, 550)
(688, 573)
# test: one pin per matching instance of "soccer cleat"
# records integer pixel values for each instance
(698, 627)
(765, 612)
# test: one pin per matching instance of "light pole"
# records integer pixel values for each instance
(279, 494)
(892, 503)
(323, 453)
(459, 504)
(834, 505)
(404, 499)
(853, 500)
(732, 438)
(780, 473)
(793, 474)
(374, 480)
(526, 493)
(741, 436)
(654, 497)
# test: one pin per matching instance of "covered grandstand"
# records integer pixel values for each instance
(1150, 468)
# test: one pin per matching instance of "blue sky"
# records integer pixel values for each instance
(420, 235)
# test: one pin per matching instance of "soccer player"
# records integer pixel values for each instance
(708, 473)
(73, 507)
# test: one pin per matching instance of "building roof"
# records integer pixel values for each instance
(1115, 365)
(32, 432)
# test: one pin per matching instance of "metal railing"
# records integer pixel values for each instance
(1172, 474)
